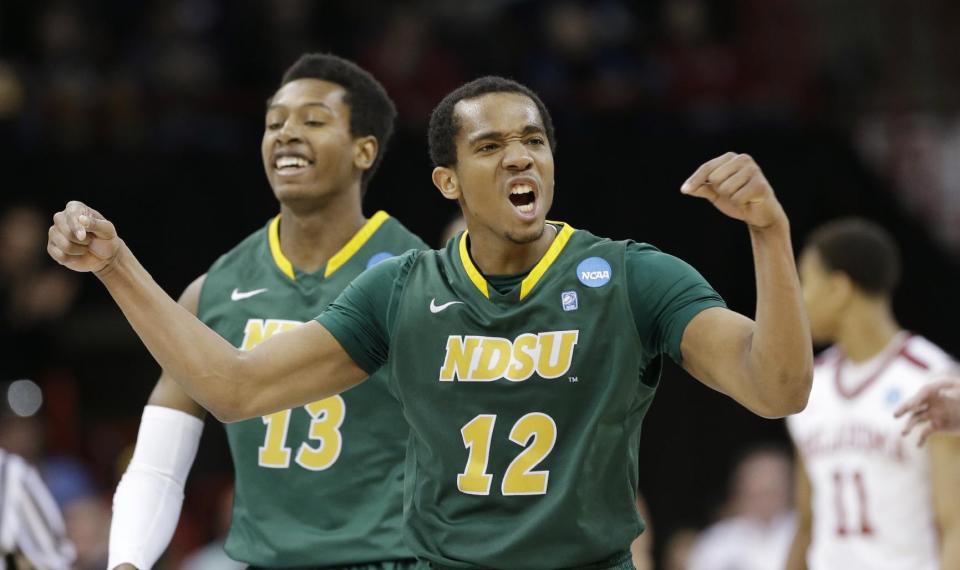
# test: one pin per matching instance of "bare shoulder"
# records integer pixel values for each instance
(190, 298)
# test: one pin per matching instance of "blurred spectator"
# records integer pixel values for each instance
(22, 433)
(701, 69)
(11, 98)
(757, 530)
(88, 526)
(32, 532)
(213, 556)
(69, 77)
(33, 293)
(414, 69)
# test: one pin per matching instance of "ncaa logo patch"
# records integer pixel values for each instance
(378, 257)
(894, 396)
(569, 300)
(594, 272)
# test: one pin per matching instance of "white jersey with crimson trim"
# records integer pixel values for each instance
(871, 496)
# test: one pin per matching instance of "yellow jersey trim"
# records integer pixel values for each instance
(274, 239)
(531, 280)
(355, 243)
(472, 272)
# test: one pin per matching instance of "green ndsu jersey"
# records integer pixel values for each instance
(319, 485)
(524, 407)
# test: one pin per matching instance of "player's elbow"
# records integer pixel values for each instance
(226, 414)
(227, 408)
(235, 401)
(792, 390)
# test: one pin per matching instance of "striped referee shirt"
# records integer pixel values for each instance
(31, 525)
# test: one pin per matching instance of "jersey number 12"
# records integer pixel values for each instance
(536, 432)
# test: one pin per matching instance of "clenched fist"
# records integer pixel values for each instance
(737, 187)
(81, 239)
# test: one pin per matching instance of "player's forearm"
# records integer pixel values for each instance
(200, 360)
(781, 353)
(797, 557)
(950, 548)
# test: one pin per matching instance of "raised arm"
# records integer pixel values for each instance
(302, 365)
(766, 364)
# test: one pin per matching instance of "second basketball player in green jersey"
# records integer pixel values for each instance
(319, 484)
(321, 481)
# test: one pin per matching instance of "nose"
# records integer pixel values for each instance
(517, 157)
(288, 132)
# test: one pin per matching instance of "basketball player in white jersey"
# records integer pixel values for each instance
(867, 497)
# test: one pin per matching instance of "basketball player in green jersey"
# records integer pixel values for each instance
(525, 354)
(319, 484)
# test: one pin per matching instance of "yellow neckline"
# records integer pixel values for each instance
(531, 280)
(559, 242)
(472, 272)
(281, 260)
(339, 258)
(355, 243)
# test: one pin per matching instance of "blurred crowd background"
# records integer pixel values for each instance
(152, 110)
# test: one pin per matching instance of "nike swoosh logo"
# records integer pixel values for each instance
(238, 295)
(434, 308)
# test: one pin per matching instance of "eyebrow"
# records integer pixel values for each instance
(272, 105)
(527, 130)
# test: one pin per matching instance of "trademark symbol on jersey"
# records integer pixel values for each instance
(573, 379)
(569, 300)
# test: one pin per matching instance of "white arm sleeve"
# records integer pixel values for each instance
(146, 506)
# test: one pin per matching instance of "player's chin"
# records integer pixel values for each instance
(296, 190)
(528, 234)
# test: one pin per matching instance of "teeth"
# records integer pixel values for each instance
(521, 189)
(290, 162)
(526, 208)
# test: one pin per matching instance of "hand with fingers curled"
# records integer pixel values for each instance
(935, 409)
(83, 240)
(736, 186)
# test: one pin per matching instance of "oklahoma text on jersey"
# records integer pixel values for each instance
(486, 358)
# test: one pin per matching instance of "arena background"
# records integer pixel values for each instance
(152, 111)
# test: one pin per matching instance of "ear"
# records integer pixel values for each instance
(841, 288)
(445, 179)
(365, 151)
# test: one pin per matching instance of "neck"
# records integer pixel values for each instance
(867, 330)
(310, 237)
(495, 255)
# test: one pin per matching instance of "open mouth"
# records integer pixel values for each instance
(289, 164)
(523, 198)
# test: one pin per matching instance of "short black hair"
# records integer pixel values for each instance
(372, 112)
(444, 126)
(862, 250)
